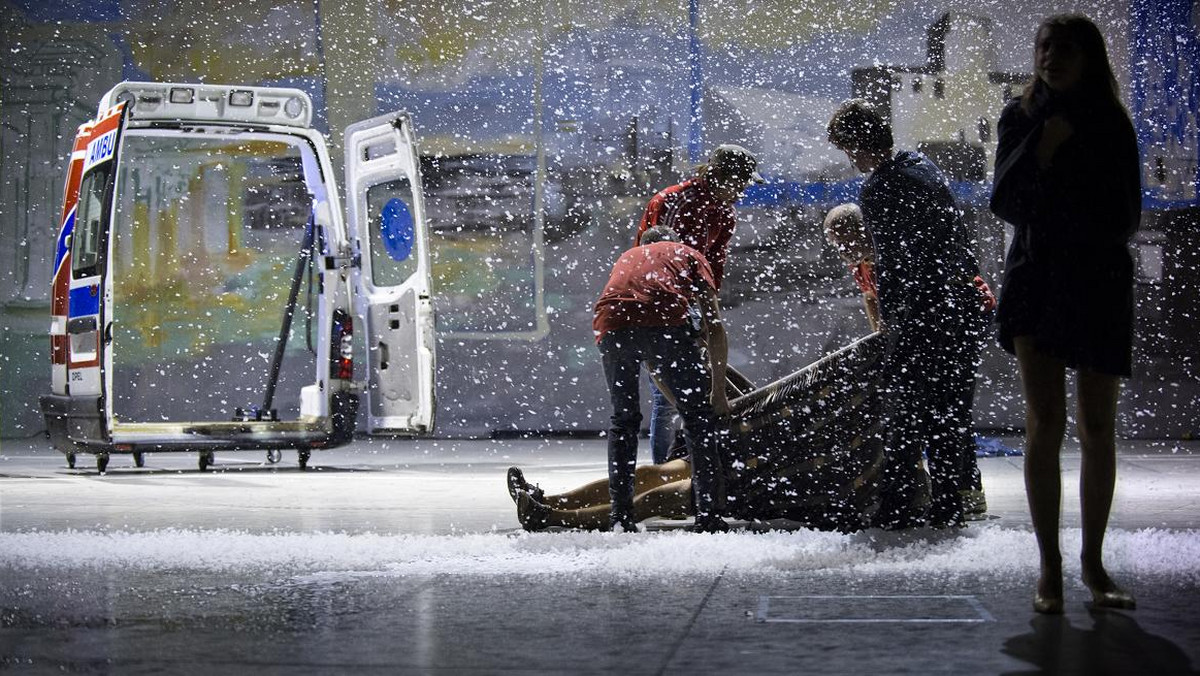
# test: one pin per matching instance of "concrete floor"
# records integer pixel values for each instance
(406, 557)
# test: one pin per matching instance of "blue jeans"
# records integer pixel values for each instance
(673, 356)
(663, 417)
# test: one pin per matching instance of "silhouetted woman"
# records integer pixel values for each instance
(1068, 179)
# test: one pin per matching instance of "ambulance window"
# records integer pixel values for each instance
(89, 219)
(393, 243)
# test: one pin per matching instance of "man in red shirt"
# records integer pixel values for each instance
(701, 210)
(642, 316)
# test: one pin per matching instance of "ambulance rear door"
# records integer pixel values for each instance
(85, 267)
(386, 216)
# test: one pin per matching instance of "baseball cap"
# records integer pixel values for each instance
(735, 161)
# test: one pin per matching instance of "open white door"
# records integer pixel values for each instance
(386, 215)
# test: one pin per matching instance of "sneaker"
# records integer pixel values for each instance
(516, 482)
(533, 515)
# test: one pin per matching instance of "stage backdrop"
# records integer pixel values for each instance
(545, 127)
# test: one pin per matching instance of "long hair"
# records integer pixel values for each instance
(1097, 81)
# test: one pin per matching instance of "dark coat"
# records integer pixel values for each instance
(923, 252)
(1068, 279)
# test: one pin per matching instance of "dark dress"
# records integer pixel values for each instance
(1068, 278)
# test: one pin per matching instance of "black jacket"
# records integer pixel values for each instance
(923, 252)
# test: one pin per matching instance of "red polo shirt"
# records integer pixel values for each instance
(651, 285)
(702, 221)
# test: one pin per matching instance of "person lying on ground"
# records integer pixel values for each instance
(663, 491)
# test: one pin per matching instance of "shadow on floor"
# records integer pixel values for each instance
(1115, 644)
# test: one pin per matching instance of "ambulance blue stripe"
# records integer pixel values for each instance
(83, 303)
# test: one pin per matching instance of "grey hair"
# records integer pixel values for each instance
(660, 233)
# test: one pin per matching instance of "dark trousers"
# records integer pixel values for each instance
(671, 353)
(928, 394)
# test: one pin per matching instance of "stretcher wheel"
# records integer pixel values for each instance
(206, 460)
(303, 456)
(274, 456)
(139, 459)
(101, 462)
(70, 461)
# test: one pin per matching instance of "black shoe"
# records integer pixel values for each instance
(954, 522)
(974, 502)
(516, 482)
(946, 518)
(532, 514)
(709, 524)
(893, 521)
(622, 520)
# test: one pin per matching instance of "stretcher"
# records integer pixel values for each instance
(808, 447)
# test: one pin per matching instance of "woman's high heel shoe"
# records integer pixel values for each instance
(1047, 605)
(1106, 593)
(1113, 598)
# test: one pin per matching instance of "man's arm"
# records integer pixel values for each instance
(864, 277)
(718, 347)
(871, 306)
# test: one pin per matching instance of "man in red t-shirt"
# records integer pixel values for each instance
(701, 210)
(642, 316)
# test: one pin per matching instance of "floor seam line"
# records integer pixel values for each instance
(687, 630)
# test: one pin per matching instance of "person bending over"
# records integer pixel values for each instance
(845, 231)
(925, 267)
(642, 317)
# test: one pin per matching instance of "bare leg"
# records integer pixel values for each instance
(1097, 395)
(670, 500)
(1043, 382)
(595, 493)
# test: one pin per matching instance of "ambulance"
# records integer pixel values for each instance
(209, 293)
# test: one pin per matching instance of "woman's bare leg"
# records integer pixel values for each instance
(1043, 382)
(672, 500)
(595, 493)
(1097, 395)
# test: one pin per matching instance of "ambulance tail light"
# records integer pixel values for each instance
(182, 95)
(241, 98)
(342, 347)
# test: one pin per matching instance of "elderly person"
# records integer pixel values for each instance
(845, 231)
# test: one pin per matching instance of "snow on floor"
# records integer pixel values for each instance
(1171, 556)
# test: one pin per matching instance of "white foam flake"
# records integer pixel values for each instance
(988, 550)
